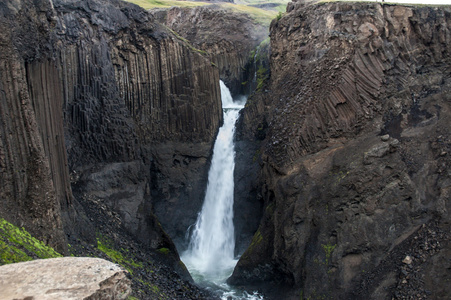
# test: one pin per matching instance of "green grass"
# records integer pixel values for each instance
(149, 4)
(17, 244)
(281, 4)
(387, 3)
(261, 16)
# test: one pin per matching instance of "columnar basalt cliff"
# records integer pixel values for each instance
(107, 118)
(34, 176)
(354, 154)
(142, 110)
(228, 37)
(97, 94)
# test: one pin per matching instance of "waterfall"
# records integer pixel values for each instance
(210, 254)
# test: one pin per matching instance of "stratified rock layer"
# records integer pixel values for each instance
(64, 278)
(355, 151)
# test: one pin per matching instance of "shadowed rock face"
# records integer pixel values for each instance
(141, 112)
(228, 37)
(354, 154)
(128, 101)
(33, 164)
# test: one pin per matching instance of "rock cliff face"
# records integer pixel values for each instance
(142, 110)
(33, 164)
(228, 37)
(98, 95)
(354, 154)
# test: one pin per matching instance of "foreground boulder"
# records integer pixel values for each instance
(64, 278)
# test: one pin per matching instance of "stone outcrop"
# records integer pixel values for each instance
(353, 127)
(102, 110)
(64, 278)
(228, 37)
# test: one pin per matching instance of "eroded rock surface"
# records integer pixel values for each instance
(64, 278)
(227, 36)
(354, 153)
(102, 110)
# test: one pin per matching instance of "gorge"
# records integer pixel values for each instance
(210, 256)
(109, 114)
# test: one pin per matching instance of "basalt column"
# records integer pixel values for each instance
(354, 122)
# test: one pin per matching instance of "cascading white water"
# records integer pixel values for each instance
(210, 255)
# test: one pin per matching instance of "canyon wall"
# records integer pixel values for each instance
(227, 37)
(231, 40)
(34, 174)
(354, 154)
(142, 108)
(104, 112)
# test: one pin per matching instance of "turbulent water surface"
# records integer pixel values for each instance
(210, 255)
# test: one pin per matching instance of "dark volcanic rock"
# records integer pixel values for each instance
(99, 95)
(354, 157)
(137, 99)
(228, 37)
(33, 165)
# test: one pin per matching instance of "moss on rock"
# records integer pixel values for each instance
(17, 245)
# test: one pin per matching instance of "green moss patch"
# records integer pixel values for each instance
(256, 240)
(10, 254)
(328, 249)
(119, 257)
(164, 251)
(186, 42)
(17, 244)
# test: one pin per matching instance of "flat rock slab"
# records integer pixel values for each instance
(64, 278)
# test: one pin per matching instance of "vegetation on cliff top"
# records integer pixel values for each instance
(17, 245)
(149, 4)
(249, 7)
